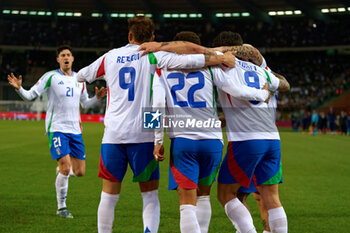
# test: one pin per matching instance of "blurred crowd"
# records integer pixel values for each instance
(315, 76)
(321, 121)
(282, 32)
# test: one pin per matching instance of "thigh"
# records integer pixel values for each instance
(210, 153)
(113, 162)
(184, 165)
(76, 146)
(142, 161)
(269, 169)
(240, 162)
(59, 145)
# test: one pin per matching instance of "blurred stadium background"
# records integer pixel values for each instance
(306, 41)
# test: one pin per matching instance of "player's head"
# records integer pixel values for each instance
(64, 57)
(187, 36)
(227, 38)
(141, 29)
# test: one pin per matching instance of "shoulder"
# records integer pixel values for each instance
(49, 74)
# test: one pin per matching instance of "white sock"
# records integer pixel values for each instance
(203, 213)
(150, 211)
(239, 216)
(71, 173)
(105, 212)
(188, 219)
(61, 185)
(278, 220)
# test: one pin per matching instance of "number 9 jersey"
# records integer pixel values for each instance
(129, 80)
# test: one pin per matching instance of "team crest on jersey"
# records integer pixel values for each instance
(61, 83)
(152, 120)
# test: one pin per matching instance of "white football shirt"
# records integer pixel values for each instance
(64, 93)
(188, 96)
(129, 80)
(248, 120)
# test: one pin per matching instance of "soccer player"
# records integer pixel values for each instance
(254, 148)
(62, 119)
(129, 80)
(226, 40)
(195, 153)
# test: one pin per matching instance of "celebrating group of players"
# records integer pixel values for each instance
(161, 75)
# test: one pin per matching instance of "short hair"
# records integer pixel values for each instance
(142, 28)
(187, 36)
(63, 47)
(227, 38)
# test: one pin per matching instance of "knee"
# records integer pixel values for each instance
(79, 172)
(65, 170)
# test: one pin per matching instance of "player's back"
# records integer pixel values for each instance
(190, 97)
(246, 120)
(128, 77)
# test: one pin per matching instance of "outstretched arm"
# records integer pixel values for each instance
(179, 47)
(245, 52)
(17, 84)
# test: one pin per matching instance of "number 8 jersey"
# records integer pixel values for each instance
(129, 79)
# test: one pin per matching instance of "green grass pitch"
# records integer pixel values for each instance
(316, 171)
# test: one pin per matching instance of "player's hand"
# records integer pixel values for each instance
(149, 47)
(100, 93)
(14, 81)
(223, 121)
(229, 59)
(158, 152)
(265, 88)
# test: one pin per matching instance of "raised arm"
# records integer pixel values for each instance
(179, 47)
(95, 70)
(245, 52)
(192, 61)
(34, 92)
(284, 84)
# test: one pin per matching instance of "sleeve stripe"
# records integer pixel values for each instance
(82, 90)
(101, 69)
(159, 72)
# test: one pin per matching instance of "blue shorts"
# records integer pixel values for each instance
(193, 162)
(246, 158)
(115, 158)
(62, 144)
(253, 187)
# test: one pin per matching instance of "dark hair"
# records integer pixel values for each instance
(227, 38)
(63, 47)
(187, 36)
(142, 28)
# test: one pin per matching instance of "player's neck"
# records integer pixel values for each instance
(67, 72)
(134, 42)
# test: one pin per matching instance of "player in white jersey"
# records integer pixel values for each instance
(195, 151)
(62, 122)
(254, 147)
(129, 80)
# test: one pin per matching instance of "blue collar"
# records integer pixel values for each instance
(60, 71)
